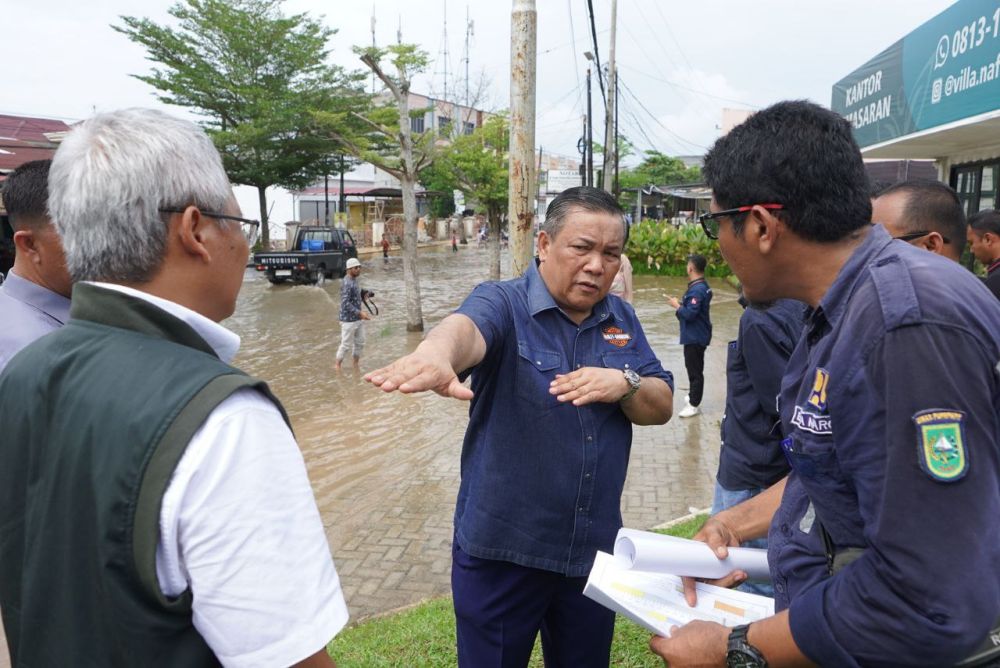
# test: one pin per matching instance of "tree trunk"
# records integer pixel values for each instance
(408, 183)
(265, 229)
(494, 242)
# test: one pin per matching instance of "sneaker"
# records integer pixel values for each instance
(689, 411)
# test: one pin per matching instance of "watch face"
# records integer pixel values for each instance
(632, 377)
(736, 658)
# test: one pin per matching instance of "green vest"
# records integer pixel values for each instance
(95, 418)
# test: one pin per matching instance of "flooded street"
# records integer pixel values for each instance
(385, 468)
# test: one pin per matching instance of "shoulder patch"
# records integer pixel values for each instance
(941, 444)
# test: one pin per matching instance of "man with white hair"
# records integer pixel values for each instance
(155, 506)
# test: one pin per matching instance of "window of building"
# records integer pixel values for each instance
(444, 125)
(417, 123)
(976, 185)
(469, 128)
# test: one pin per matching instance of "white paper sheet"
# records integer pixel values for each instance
(656, 601)
(653, 552)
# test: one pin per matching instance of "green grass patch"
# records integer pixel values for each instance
(424, 635)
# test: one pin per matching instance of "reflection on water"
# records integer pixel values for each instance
(385, 466)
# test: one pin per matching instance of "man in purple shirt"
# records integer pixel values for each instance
(34, 298)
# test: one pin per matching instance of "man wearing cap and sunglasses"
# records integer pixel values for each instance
(352, 316)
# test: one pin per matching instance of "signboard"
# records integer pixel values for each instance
(558, 180)
(946, 70)
(459, 197)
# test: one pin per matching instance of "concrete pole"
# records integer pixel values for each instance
(609, 137)
(523, 182)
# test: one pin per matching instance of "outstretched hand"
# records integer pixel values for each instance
(420, 371)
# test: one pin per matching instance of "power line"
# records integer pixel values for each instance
(670, 32)
(657, 121)
(693, 90)
(572, 34)
(597, 53)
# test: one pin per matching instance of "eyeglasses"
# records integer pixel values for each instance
(710, 221)
(913, 236)
(248, 226)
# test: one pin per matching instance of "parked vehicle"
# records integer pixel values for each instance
(317, 253)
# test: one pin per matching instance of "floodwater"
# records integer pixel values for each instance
(385, 467)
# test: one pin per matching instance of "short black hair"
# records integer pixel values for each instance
(699, 262)
(581, 197)
(932, 206)
(26, 193)
(800, 155)
(986, 221)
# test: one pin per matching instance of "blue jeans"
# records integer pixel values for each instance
(726, 498)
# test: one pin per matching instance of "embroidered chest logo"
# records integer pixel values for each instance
(694, 300)
(817, 398)
(941, 443)
(616, 336)
(817, 422)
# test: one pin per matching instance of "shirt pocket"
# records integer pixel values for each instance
(536, 369)
(814, 459)
(621, 359)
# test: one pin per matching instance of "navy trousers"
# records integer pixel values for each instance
(500, 607)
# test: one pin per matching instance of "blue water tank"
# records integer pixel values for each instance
(315, 245)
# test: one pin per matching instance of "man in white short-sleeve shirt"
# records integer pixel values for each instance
(193, 536)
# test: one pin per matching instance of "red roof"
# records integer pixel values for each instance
(23, 139)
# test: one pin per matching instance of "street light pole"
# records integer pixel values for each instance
(520, 199)
(590, 135)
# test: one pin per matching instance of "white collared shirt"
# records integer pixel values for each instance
(239, 526)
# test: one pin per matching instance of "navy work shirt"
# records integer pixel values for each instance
(992, 279)
(696, 326)
(890, 409)
(751, 456)
(541, 479)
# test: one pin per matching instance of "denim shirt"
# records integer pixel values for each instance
(28, 311)
(350, 300)
(542, 480)
(751, 456)
(899, 357)
(696, 326)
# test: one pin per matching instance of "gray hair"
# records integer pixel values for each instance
(110, 178)
(580, 197)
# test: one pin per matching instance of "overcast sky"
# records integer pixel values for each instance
(680, 61)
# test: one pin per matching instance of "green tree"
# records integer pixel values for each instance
(389, 143)
(256, 76)
(476, 164)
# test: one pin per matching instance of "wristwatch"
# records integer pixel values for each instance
(634, 381)
(740, 653)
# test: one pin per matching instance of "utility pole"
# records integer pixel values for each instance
(520, 202)
(589, 157)
(326, 198)
(609, 147)
(373, 46)
(342, 200)
(617, 190)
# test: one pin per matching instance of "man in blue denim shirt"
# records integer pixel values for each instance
(560, 372)
(885, 546)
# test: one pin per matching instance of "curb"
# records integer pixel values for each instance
(686, 518)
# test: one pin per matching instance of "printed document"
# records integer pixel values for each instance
(656, 600)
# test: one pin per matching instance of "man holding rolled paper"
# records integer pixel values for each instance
(883, 545)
